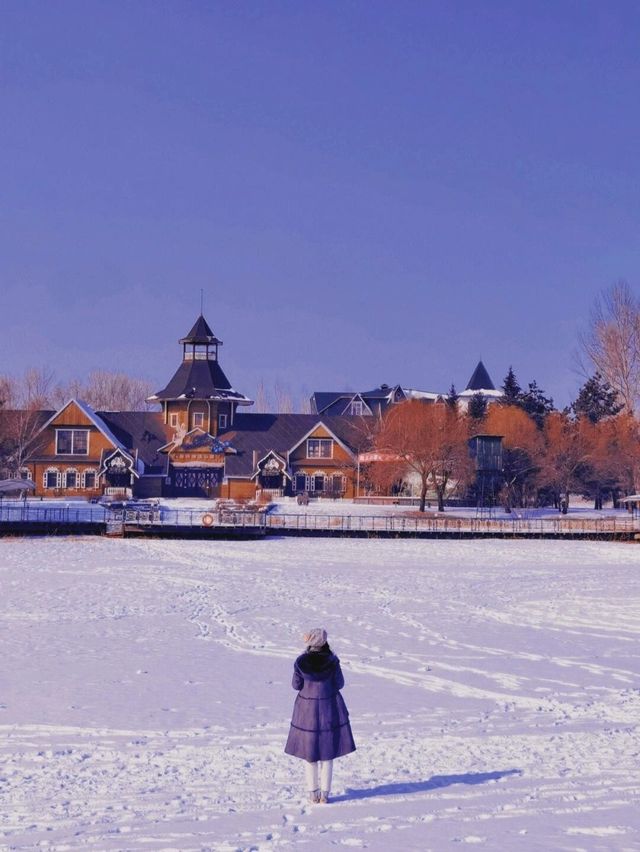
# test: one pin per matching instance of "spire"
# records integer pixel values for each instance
(480, 380)
(201, 334)
(200, 376)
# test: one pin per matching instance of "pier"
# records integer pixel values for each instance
(238, 522)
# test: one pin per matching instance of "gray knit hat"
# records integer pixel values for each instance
(315, 638)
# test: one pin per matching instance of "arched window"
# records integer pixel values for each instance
(89, 480)
(71, 478)
(51, 478)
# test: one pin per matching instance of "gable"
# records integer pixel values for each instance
(319, 430)
(71, 415)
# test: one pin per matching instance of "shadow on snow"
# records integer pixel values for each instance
(434, 783)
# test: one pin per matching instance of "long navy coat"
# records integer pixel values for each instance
(320, 728)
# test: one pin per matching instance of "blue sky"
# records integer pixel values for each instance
(366, 191)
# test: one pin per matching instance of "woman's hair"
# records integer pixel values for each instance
(325, 649)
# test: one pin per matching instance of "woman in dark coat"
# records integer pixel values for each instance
(320, 729)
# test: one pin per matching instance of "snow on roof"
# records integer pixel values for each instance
(490, 392)
(412, 393)
(99, 423)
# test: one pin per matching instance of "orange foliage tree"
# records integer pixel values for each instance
(522, 448)
(429, 439)
(621, 451)
(567, 452)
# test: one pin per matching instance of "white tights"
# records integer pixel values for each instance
(323, 768)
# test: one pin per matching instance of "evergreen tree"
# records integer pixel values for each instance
(536, 404)
(596, 400)
(453, 397)
(477, 406)
(511, 389)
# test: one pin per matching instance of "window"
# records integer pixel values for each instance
(173, 420)
(318, 482)
(319, 448)
(72, 442)
(222, 421)
(89, 479)
(71, 478)
(356, 407)
(300, 482)
(198, 418)
(51, 478)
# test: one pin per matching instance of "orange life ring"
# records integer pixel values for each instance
(207, 519)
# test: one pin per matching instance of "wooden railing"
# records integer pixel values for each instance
(236, 516)
(430, 525)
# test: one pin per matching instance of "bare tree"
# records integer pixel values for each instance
(28, 401)
(262, 402)
(611, 342)
(117, 392)
(107, 391)
(8, 391)
(283, 400)
(304, 401)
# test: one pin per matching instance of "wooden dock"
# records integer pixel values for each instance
(241, 523)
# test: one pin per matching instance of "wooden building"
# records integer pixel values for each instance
(197, 445)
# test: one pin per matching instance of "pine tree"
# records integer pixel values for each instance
(596, 400)
(477, 406)
(512, 392)
(536, 404)
(453, 397)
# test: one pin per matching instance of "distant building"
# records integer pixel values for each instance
(479, 383)
(378, 400)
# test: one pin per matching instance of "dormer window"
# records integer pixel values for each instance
(72, 442)
(319, 448)
(356, 407)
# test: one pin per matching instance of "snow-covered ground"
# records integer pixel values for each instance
(145, 694)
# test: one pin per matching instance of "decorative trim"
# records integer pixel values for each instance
(331, 433)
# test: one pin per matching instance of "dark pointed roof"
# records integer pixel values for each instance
(201, 333)
(480, 380)
(199, 380)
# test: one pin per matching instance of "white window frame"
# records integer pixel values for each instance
(46, 473)
(87, 432)
(356, 408)
(84, 479)
(66, 474)
(222, 421)
(319, 441)
(200, 416)
(173, 420)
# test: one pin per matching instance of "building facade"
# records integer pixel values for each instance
(199, 444)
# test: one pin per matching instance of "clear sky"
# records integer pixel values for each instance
(367, 191)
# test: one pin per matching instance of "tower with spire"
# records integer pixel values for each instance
(199, 395)
(479, 383)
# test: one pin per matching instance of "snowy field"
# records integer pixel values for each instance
(145, 694)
